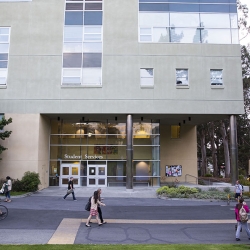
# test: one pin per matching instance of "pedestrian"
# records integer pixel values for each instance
(99, 190)
(70, 189)
(8, 186)
(241, 223)
(93, 209)
(238, 190)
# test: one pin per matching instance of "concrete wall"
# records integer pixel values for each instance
(28, 147)
(182, 151)
(35, 64)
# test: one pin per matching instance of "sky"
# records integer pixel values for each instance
(246, 40)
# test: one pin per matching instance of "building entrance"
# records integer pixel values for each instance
(97, 175)
(68, 170)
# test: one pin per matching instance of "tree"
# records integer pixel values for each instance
(4, 134)
(242, 20)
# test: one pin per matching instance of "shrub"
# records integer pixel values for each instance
(30, 181)
(212, 189)
(227, 190)
(17, 185)
(208, 175)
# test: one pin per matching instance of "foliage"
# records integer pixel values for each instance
(227, 190)
(208, 175)
(17, 185)
(4, 134)
(30, 181)
(186, 192)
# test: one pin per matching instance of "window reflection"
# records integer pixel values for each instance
(216, 77)
(218, 36)
(184, 20)
(214, 20)
(184, 35)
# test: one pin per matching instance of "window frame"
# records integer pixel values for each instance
(146, 77)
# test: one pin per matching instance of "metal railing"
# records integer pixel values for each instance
(196, 179)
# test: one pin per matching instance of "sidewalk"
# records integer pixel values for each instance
(121, 192)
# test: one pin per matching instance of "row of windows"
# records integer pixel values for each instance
(187, 1)
(176, 7)
(188, 28)
(182, 78)
(82, 47)
(4, 53)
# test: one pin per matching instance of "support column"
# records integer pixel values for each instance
(233, 149)
(129, 151)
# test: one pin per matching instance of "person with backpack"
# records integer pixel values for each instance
(238, 190)
(241, 210)
(7, 189)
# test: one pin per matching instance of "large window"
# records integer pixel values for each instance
(4, 54)
(182, 22)
(82, 45)
(87, 142)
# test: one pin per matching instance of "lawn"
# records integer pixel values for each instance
(125, 247)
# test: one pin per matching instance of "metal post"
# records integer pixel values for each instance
(129, 151)
(233, 149)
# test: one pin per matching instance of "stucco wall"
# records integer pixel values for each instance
(182, 151)
(27, 147)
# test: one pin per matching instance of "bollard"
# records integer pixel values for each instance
(228, 199)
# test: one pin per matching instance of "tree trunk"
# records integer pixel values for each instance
(226, 149)
(214, 149)
(203, 153)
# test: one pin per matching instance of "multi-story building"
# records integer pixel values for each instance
(111, 91)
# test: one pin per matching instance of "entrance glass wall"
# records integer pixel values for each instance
(99, 151)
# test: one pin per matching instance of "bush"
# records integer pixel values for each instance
(212, 189)
(208, 175)
(227, 190)
(17, 185)
(30, 181)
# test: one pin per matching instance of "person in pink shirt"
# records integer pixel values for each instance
(240, 223)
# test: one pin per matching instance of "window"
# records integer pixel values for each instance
(4, 54)
(175, 132)
(82, 47)
(147, 77)
(216, 77)
(182, 77)
(188, 21)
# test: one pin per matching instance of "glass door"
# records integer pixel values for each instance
(97, 175)
(70, 170)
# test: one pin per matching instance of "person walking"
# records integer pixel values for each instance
(93, 209)
(99, 190)
(238, 190)
(8, 185)
(70, 189)
(240, 222)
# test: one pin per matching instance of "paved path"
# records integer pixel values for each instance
(46, 218)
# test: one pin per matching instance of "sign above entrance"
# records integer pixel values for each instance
(96, 157)
(66, 156)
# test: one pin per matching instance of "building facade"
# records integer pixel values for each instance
(111, 91)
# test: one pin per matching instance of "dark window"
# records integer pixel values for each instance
(72, 60)
(74, 18)
(92, 18)
(214, 1)
(3, 64)
(154, 7)
(74, 6)
(4, 56)
(184, 7)
(92, 60)
(222, 8)
(93, 6)
(233, 8)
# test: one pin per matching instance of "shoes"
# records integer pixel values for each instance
(8, 200)
(104, 222)
(237, 239)
(3, 213)
(87, 225)
(100, 224)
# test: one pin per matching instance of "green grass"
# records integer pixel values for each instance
(125, 247)
(13, 193)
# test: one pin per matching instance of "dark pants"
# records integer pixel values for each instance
(73, 194)
(100, 214)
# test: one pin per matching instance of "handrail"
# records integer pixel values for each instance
(196, 178)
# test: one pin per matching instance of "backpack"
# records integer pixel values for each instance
(242, 188)
(88, 205)
(5, 188)
(243, 214)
